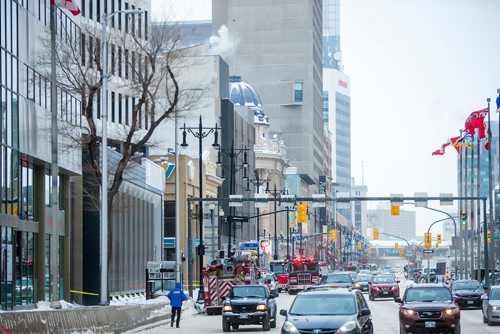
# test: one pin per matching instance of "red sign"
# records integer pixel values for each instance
(342, 83)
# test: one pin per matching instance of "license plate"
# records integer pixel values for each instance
(385, 293)
(244, 316)
(430, 324)
(470, 302)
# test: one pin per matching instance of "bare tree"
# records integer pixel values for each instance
(142, 69)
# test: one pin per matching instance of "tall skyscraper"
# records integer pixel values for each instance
(276, 46)
(336, 99)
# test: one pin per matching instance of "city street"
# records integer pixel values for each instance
(384, 312)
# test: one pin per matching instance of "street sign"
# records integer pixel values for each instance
(168, 242)
(496, 236)
(235, 200)
(422, 199)
(289, 203)
(319, 201)
(397, 199)
(428, 251)
(446, 199)
(261, 200)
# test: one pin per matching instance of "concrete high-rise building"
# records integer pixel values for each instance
(336, 100)
(401, 226)
(276, 46)
(359, 209)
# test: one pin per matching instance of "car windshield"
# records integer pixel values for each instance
(384, 279)
(340, 278)
(428, 295)
(270, 277)
(278, 268)
(495, 294)
(247, 291)
(323, 305)
(353, 275)
(466, 285)
(364, 278)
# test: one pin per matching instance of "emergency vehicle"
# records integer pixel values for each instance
(280, 269)
(221, 275)
(302, 273)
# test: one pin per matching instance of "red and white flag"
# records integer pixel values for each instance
(70, 5)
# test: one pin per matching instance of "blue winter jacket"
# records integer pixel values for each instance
(176, 296)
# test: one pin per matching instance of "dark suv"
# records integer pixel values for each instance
(467, 293)
(249, 305)
(328, 310)
(428, 308)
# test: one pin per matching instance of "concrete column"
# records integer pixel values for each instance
(68, 212)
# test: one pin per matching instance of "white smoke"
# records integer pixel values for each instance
(223, 43)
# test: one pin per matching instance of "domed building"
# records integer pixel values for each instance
(242, 94)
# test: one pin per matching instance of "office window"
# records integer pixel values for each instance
(126, 19)
(146, 25)
(119, 108)
(119, 62)
(119, 15)
(298, 91)
(126, 64)
(113, 103)
(91, 9)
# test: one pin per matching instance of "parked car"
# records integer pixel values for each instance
(271, 281)
(491, 306)
(339, 279)
(383, 286)
(249, 305)
(467, 293)
(428, 308)
(362, 282)
(325, 310)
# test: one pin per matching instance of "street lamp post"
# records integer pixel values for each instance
(275, 192)
(200, 132)
(233, 153)
(257, 182)
(104, 171)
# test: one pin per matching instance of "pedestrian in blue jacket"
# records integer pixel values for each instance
(176, 296)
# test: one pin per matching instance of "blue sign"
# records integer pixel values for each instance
(249, 245)
(169, 242)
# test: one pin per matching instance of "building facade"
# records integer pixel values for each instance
(359, 208)
(287, 75)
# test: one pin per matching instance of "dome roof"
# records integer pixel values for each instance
(259, 117)
(242, 94)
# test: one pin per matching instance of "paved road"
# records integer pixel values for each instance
(384, 312)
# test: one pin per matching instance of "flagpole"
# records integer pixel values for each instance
(460, 190)
(490, 189)
(471, 202)
(54, 242)
(466, 209)
(478, 211)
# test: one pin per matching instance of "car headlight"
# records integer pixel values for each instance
(451, 311)
(289, 327)
(494, 308)
(357, 285)
(227, 308)
(261, 307)
(407, 311)
(348, 326)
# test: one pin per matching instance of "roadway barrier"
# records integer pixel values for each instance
(107, 319)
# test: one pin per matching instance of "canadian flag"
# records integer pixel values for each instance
(67, 4)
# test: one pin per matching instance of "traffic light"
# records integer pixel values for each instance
(489, 236)
(463, 216)
(375, 234)
(369, 251)
(396, 246)
(395, 210)
(333, 235)
(427, 240)
(302, 213)
(360, 245)
(438, 238)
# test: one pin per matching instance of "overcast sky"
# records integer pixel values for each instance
(418, 68)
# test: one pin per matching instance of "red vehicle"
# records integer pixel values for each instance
(383, 286)
(302, 273)
(280, 269)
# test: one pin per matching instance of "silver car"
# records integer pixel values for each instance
(491, 306)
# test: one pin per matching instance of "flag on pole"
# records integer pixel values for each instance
(476, 120)
(70, 5)
(466, 140)
(449, 142)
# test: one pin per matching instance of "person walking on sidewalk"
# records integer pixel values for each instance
(176, 296)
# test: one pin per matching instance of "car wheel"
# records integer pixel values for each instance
(235, 326)
(226, 326)
(484, 318)
(266, 324)
(279, 289)
(457, 330)
(401, 330)
(488, 320)
(370, 297)
(273, 322)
